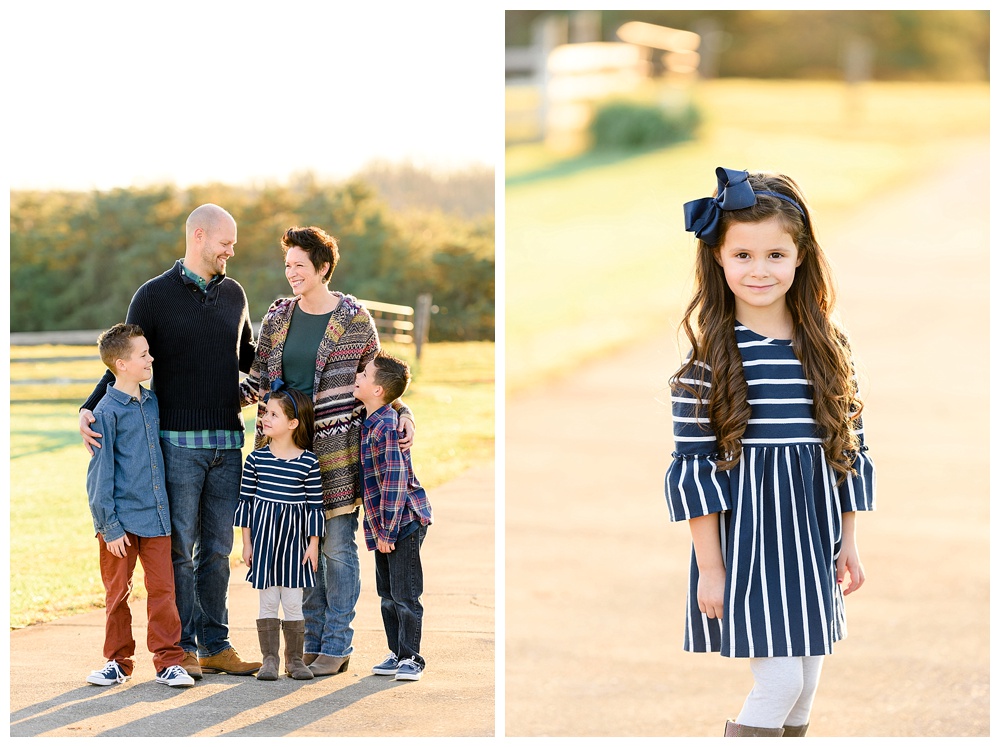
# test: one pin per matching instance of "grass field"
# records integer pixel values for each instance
(596, 254)
(53, 553)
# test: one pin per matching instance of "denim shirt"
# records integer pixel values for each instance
(125, 478)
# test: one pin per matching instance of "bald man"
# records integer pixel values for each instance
(197, 323)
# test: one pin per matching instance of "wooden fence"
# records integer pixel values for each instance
(401, 324)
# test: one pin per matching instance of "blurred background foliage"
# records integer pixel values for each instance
(77, 257)
(908, 45)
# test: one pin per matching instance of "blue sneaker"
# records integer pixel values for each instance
(389, 666)
(112, 674)
(409, 670)
(174, 676)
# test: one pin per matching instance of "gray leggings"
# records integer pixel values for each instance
(783, 691)
(290, 599)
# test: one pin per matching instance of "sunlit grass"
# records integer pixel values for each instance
(596, 254)
(53, 551)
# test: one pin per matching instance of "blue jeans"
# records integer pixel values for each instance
(203, 487)
(399, 579)
(329, 605)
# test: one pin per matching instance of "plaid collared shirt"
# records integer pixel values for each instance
(393, 498)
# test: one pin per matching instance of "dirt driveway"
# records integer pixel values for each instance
(595, 572)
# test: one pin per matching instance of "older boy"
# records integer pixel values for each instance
(397, 514)
(128, 502)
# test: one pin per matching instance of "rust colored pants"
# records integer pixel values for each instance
(164, 626)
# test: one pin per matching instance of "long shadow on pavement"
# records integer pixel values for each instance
(89, 704)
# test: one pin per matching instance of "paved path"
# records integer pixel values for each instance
(595, 573)
(49, 662)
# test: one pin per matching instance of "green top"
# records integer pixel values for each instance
(298, 359)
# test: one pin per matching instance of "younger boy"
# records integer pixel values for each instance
(128, 501)
(397, 514)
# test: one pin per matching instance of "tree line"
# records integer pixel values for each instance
(77, 257)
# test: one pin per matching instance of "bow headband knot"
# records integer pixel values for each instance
(704, 216)
(280, 386)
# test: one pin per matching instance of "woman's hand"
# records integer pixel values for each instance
(248, 554)
(406, 431)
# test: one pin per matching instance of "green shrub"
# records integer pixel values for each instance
(626, 125)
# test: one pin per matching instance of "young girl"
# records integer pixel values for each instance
(770, 465)
(281, 513)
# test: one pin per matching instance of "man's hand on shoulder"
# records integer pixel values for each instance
(90, 436)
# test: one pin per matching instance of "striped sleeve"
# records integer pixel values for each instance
(857, 492)
(694, 486)
(248, 491)
(315, 518)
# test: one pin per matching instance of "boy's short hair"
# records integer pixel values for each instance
(392, 374)
(116, 343)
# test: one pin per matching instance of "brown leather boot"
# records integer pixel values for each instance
(294, 632)
(229, 662)
(268, 632)
(739, 730)
(795, 731)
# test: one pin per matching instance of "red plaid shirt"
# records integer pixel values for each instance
(393, 497)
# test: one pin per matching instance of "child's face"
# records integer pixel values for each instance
(759, 260)
(274, 422)
(139, 365)
(365, 389)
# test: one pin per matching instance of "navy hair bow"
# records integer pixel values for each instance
(704, 216)
(279, 386)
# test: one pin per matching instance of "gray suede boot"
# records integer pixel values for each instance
(739, 730)
(795, 731)
(270, 638)
(294, 631)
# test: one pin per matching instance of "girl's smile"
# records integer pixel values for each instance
(759, 261)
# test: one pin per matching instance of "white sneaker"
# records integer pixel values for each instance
(112, 674)
(174, 676)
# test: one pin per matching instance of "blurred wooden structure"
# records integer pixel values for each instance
(554, 84)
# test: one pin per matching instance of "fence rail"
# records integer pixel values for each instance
(402, 324)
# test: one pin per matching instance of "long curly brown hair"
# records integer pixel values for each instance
(820, 345)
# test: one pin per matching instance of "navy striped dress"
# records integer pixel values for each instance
(779, 513)
(281, 501)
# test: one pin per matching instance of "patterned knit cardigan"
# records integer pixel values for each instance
(349, 343)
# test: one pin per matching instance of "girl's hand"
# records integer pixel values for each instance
(248, 554)
(849, 566)
(312, 554)
(711, 591)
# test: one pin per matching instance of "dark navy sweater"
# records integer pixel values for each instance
(200, 341)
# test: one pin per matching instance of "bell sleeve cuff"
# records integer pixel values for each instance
(695, 487)
(857, 492)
